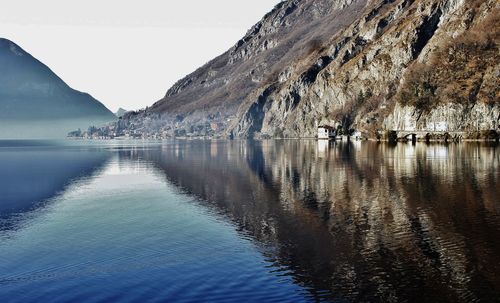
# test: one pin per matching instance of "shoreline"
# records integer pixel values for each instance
(293, 138)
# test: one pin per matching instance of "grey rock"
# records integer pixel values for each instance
(336, 62)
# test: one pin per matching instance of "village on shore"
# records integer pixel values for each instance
(437, 132)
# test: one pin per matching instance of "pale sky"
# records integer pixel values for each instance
(127, 53)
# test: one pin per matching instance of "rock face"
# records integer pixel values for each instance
(30, 93)
(444, 118)
(120, 112)
(354, 64)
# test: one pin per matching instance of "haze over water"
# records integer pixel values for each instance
(248, 221)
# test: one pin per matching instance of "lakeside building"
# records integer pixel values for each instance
(326, 132)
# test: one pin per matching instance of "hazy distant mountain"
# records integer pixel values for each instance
(120, 112)
(31, 93)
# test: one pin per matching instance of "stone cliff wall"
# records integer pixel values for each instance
(356, 64)
(449, 117)
(355, 81)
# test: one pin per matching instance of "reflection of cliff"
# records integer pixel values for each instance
(431, 210)
(363, 222)
(31, 175)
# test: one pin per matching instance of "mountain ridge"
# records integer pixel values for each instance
(350, 64)
(25, 78)
(35, 102)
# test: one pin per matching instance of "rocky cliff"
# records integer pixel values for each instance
(362, 65)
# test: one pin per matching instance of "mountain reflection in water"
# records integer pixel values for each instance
(351, 221)
(358, 221)
(32, 173)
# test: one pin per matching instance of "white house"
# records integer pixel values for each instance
(357, 135)
(326, 132)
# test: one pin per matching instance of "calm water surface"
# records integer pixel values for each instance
(242, 221)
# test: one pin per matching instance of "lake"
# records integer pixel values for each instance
(249, 221)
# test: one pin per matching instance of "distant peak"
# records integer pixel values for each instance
(120, 112)
(4, 43)
(14, 48)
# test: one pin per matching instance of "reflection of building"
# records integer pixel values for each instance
(323, 147)
(326, 132)
(214, 148)
(437, 152)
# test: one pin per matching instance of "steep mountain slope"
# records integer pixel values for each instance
(30, 91)
(367, 65)
(289, 32)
